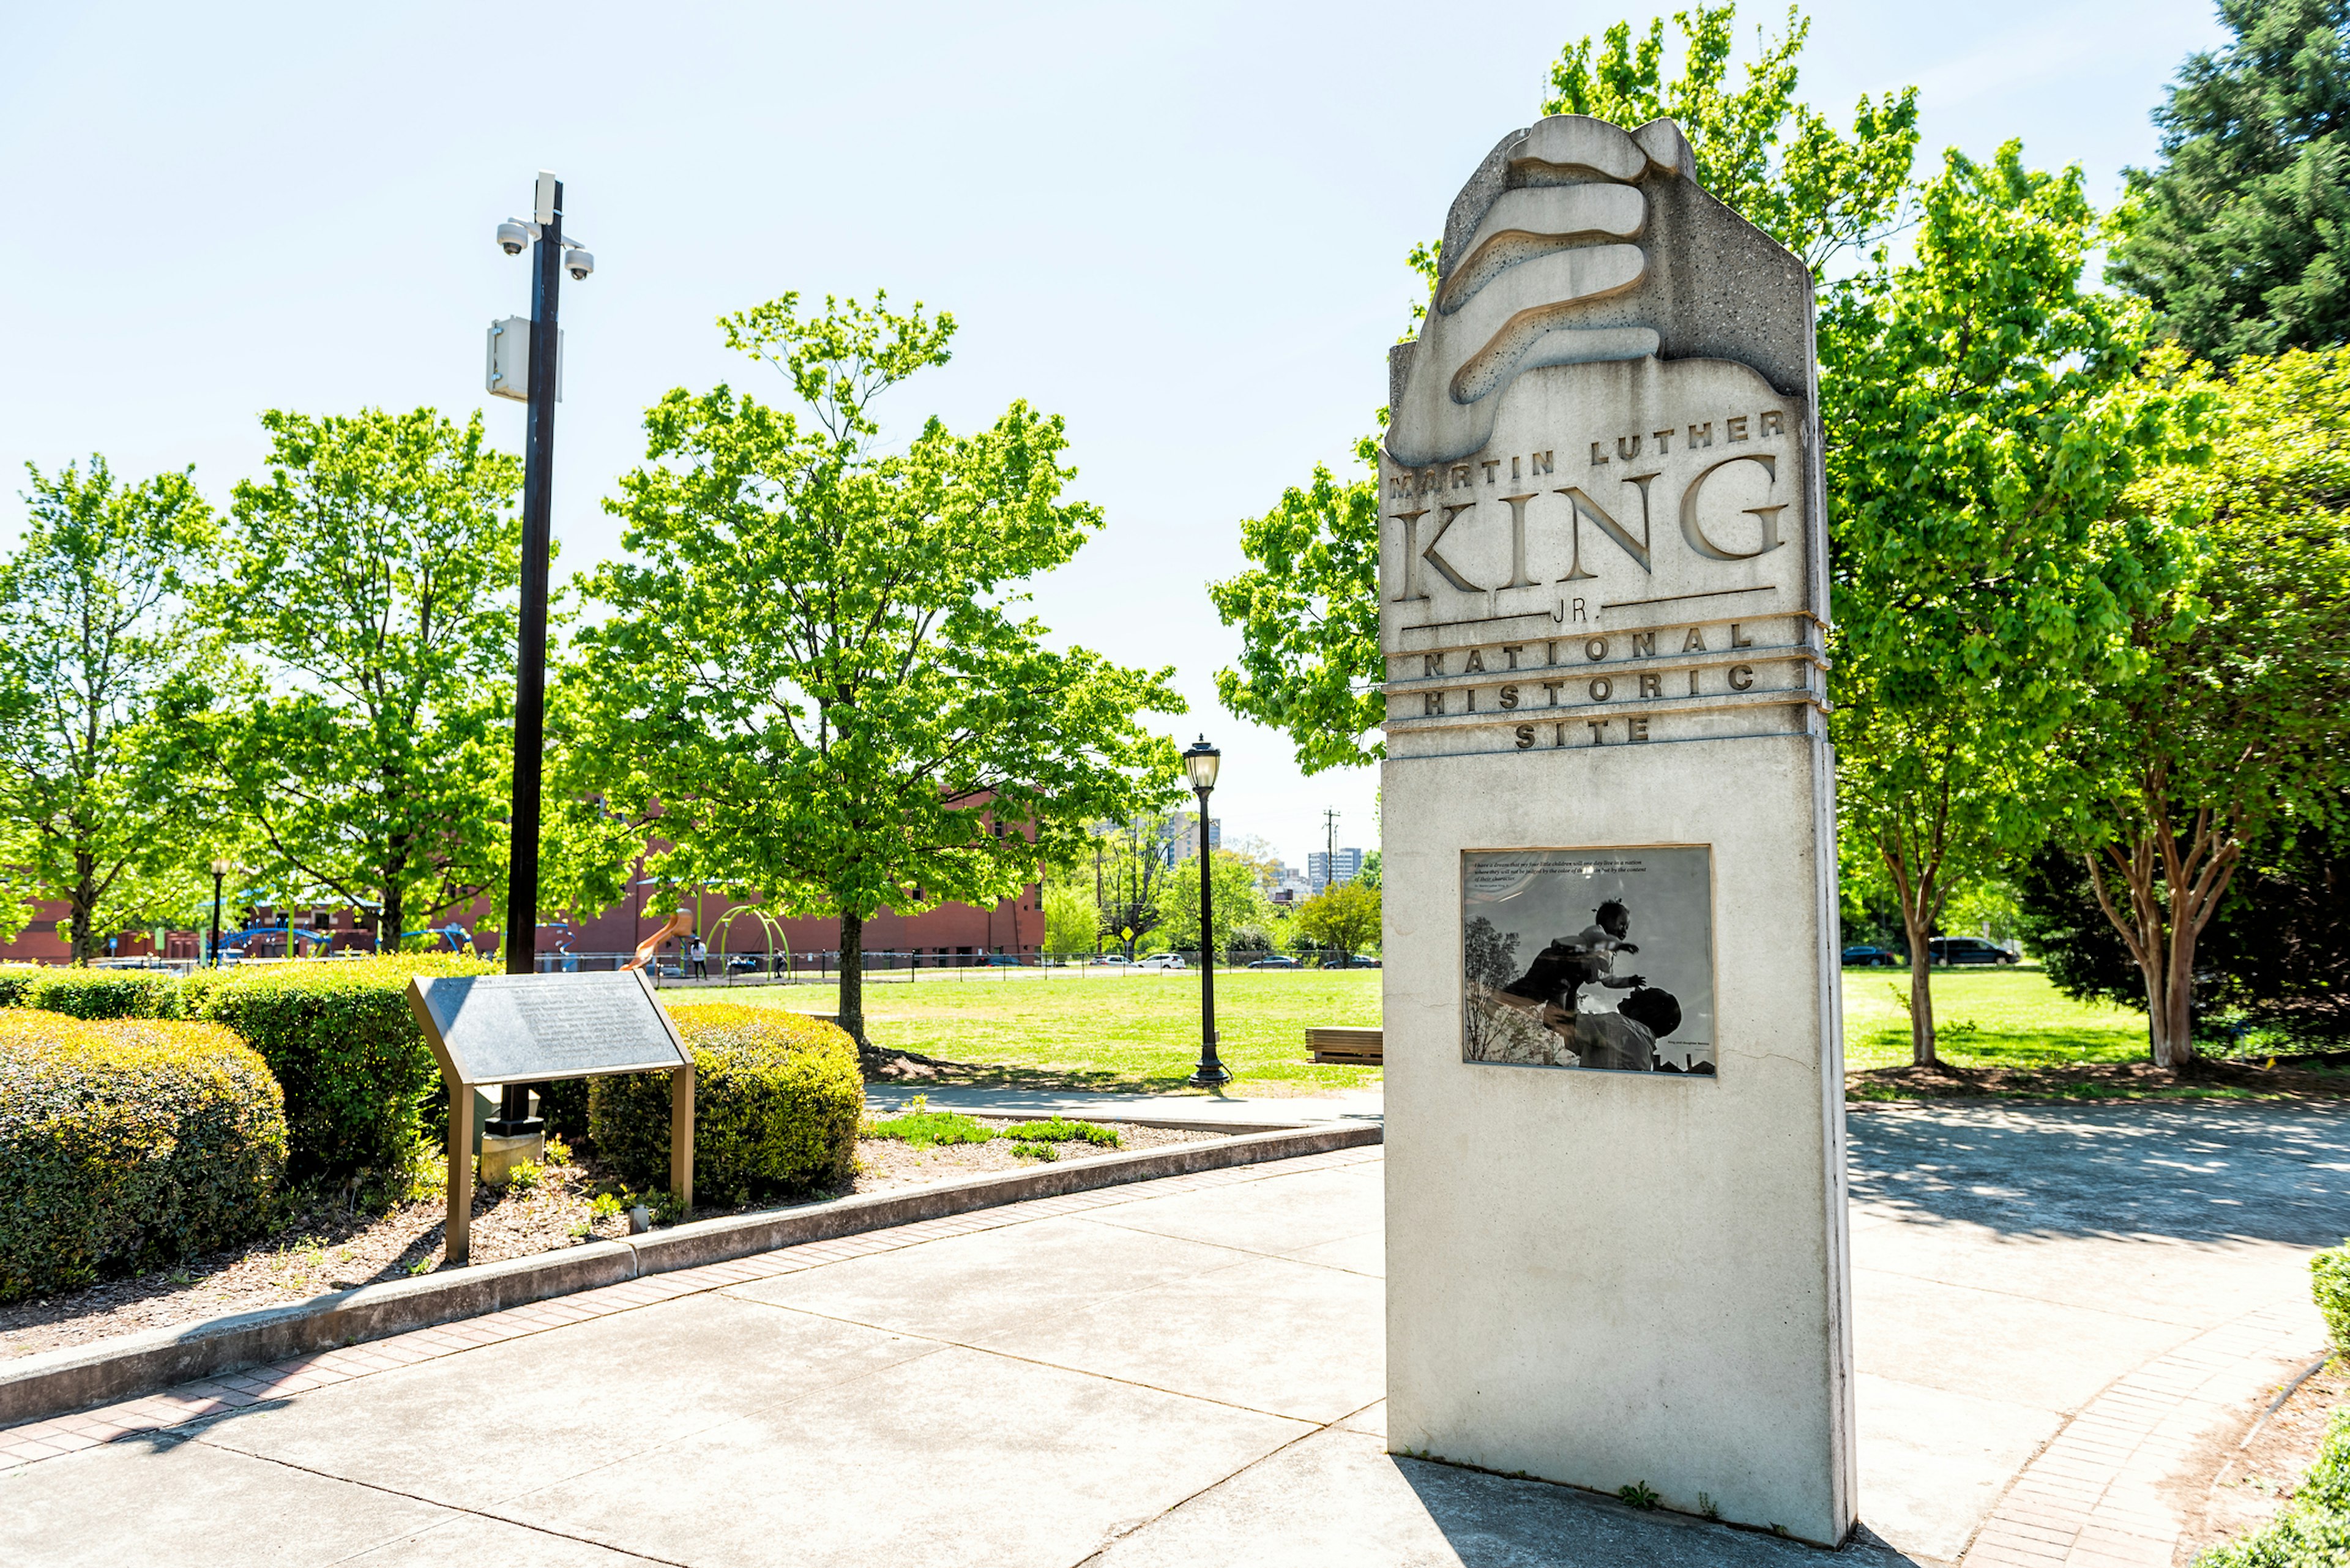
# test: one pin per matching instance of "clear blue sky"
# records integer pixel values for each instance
(1184, 228)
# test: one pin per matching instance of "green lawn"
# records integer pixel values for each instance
(1107, 1031)
(1985, 1018)
(1143, 1030)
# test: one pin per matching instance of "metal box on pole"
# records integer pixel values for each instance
(507, 365)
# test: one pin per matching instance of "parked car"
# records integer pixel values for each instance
(1966, 949)
(1001, 960)
(1866, 956)
(1117, 959)
(1352, 961)
(1165, 962)
(1276, 961)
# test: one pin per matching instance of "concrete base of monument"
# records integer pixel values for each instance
(501, 1155)
(1604, 1278)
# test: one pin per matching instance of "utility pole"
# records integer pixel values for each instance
(550, 259)
(1329, 849)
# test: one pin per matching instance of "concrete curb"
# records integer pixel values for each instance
(112, 1370)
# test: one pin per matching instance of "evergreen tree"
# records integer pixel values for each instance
(2239, 238)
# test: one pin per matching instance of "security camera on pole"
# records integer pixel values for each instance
(514, 371)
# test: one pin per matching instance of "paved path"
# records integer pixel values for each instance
(1198, 1110)
(2054, 1306)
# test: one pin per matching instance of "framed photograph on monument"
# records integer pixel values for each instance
(1600, 959)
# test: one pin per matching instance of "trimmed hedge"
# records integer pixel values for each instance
(2329, 1286)
(127, 1144)
(93, 992)
(777, 1097)
(340, 1037)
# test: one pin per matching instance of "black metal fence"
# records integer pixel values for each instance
(823, 967)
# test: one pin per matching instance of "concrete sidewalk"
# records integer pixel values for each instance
(2055, 1305)
(1226, 1112)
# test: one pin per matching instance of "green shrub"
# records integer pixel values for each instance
(357, 1073)
(93, 992)
(776, 1103)
(2329, 1283)
(2313, 1529)
(920, 1128)
(127, 1144)
(1059, 1130)
(107, 993)
(14, 978)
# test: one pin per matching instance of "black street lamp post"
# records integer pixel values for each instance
(220, 872)
(1199, 761)
(552, 257)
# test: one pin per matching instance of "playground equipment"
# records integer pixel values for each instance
(680, 925)
(455, 935)
(241, 941)
(777, 940)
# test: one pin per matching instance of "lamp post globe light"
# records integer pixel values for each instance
(220, 869)
(1199, 763)
(515, 356)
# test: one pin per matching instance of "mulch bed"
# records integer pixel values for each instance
(330, 1247)
(2287, 1078)
(2256, 1476)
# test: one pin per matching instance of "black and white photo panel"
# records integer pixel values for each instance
(1595, 958)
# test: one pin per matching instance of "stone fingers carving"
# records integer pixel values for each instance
(1535, 240)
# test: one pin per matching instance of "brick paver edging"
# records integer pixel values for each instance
(80, 1377)
(2097, 1495)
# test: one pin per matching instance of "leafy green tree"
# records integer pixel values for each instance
(1985, 423)
(1308, 606)
(1240, 901)
(97, 663)
(1308, 610)
(1128, 868)
(1344, 919)
(370, 584)
(815, 669)
(2228, 724)
(1774, 161)
(1071, 919)
(2240, 237)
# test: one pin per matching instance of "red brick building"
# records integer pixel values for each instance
(948, 935)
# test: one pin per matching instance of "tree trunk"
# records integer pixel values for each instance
(852, 975)
(83, 908)
(390, 920)
(2161, 927)
(1921, 987)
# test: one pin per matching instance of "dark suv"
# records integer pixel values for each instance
(1966, 949)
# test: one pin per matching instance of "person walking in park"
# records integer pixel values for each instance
(697, 957)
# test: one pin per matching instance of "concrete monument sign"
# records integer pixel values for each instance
(530, 1028)
(1610, 849)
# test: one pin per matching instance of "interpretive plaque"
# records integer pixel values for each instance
(1553, 978)
(523, 1028)
(1609, 847)
(487, 1029)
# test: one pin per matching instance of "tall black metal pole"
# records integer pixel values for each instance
(521, 939)
(216, 914)
(1211, 1072)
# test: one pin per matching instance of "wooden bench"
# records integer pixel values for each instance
(1353, 1047)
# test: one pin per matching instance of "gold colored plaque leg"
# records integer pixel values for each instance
(681, 1134)
(457, 1235)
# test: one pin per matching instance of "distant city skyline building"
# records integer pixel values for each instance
(1180, 839)
(1325, 871)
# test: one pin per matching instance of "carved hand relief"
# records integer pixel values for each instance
(1516, 288)
(1602, 438)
